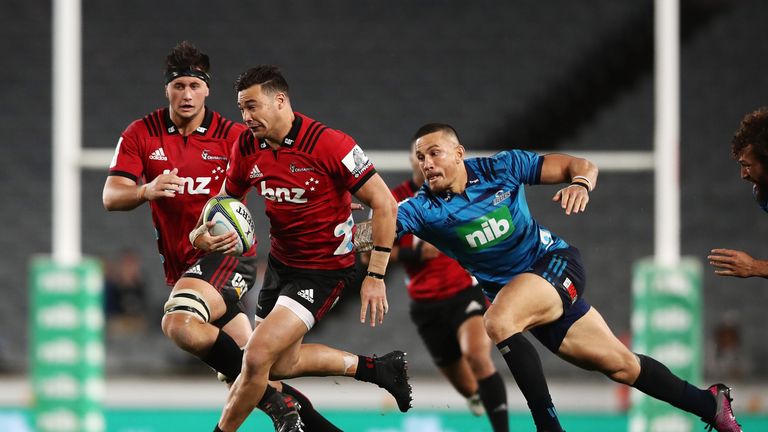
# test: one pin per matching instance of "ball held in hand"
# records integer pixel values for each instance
(231, 215)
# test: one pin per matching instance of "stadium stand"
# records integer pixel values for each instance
(378, 71)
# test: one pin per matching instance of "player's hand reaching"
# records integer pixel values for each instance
(373, 296)
(729, 262)
(202, 239)
(573, 198)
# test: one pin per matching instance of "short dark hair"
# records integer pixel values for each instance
(268, 77)
(435, 127)
(185, 55)
(753, 131)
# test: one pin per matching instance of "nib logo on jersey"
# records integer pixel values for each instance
(488, 230)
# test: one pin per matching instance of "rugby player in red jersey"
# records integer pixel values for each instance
(447, 308)
(181, 152)
(307, 174)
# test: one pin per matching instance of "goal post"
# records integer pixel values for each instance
(667, 300)
(66, 350)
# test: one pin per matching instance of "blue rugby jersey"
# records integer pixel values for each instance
(763, 204)
(488, 228)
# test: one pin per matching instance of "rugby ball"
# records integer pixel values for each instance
(231, 215)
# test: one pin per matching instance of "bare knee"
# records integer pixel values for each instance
(500, 326)
(187, 333)
(260, 361)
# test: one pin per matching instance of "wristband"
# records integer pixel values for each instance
(586, 180)
(377, 262)
(382, 249)
(584, 185)
(375, 275)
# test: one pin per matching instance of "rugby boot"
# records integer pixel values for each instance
(475, 405)
(724, 420)
(284, 412)
(392, 376)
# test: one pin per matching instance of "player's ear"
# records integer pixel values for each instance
(280, 99)
(459, 153)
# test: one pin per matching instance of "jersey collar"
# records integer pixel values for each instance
(289, 139)
(472, 178)
(171, 128)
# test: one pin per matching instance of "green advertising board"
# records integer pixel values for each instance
(67, 346)
(666, 325)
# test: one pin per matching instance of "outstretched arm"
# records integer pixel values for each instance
(729, 262)
(581, 175)
(375, 194)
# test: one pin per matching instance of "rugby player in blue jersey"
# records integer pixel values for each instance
(749, 147)
(475, 211)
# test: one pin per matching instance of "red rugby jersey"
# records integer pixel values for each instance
(307, 185)
(436, 279)
(153, 145)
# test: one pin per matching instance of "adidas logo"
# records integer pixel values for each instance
(473, 306)
(307, 295)
(158, 154)
(194, 270)
(255, 173)
(502, 407)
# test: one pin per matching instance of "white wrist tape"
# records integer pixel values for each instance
(195, 233)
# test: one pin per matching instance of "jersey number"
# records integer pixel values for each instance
(344, 229)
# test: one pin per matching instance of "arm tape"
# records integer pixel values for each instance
(378, 262)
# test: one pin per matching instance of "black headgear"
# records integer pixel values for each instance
(195, 73)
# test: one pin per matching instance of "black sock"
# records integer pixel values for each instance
(268, 392)
(493, 394)
(366, 370)
(217, 428)
(525, 365)
(657, 381)
(225, 356)
(313, 420)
